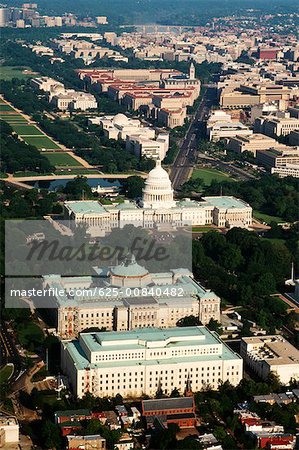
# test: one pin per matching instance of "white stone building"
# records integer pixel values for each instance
(265, 354)
(144, 141)
(45, 84)
(159, 208)
(162, 300)
(224, 130)
(138, 362)
(73, 100)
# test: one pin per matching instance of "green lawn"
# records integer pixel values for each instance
(29, 173)
(266, 217)
(9, 72)
(207, 175)
(62, 159)
(5, 373)
(27, 130)
(5, 107)
(11, 118)
(202, 229)
(41, 142)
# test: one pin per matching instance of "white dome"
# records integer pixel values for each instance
(120, 120)
(158, 175)
(158, 192)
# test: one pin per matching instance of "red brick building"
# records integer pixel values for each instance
(170, 410)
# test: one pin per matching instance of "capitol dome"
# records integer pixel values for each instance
(158, 192)
(120, 120)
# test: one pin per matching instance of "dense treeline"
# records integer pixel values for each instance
(21, 95)
(269, 194)
(244, 269)
(17, 155)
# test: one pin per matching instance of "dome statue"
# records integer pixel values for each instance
(157, 191)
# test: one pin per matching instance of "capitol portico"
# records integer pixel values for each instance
(158, 207)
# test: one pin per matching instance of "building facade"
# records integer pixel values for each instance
(168, 297)
(265, 354)
(159, 208)
(142, 361)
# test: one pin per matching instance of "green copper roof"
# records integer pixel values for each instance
(129, 268)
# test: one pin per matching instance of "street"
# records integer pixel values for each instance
(189, 153)
(184, 162)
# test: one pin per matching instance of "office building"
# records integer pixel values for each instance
(276, 126)
(252, 143)
(87, 442)
(265, 354)
(142, 361)
(276, 158)
(224, 130)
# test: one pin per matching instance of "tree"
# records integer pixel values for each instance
(188, 321)
(175, 393)
(213, 325)
(134, 186)
(51, 435)
(78, 188)
(274, 382)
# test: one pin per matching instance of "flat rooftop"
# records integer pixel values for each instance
(140, 339)
(85, 207)
(167, 403)
(275, 350)
(226, 202)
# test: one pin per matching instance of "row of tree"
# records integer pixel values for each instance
(17, 155)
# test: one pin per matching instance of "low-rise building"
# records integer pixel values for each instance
(225, 130)
(265, 354)
(9, 430)
(179, 410)
(74, 100)
(277, 158)
(276, 126)
(87, 442)
(141, 361)
(209, 442)
(252, 143)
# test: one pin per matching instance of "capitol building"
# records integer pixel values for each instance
(158, 208)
